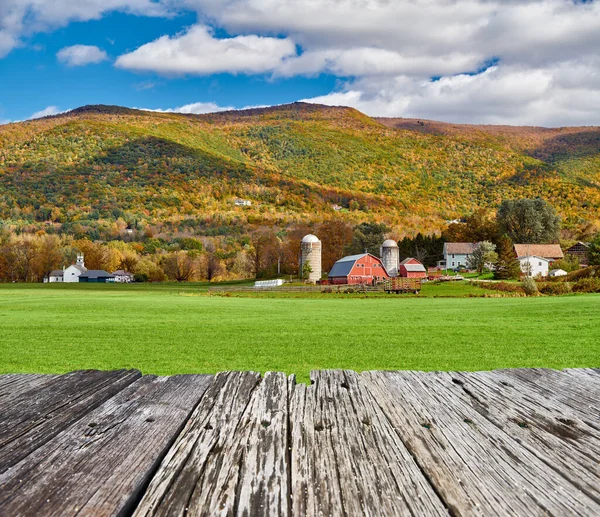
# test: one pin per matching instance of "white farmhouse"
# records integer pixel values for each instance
(72, 273)
(531, 265)
(456, 254)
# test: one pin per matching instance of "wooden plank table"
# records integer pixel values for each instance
(508, 442)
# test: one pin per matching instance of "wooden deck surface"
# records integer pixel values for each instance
(508, 442)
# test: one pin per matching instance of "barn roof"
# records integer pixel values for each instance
(96, 273)
(343, 266)
(415, 267)
(460, 248)
(548, 251)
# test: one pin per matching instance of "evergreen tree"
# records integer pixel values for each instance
(507, 266)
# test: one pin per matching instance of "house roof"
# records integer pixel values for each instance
(96, 273)
(549, 251)
(554, 271)
(56, 272)
(460, 248)
(83, 269)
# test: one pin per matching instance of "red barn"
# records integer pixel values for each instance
(358, 269)
(412, 268)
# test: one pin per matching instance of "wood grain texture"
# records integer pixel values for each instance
(35, 416)
(100, 465)
(346, 457)
(15, 384)
(581, 394)
(547, 428)
(476, 467)
(201, 473)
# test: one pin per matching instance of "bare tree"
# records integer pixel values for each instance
(179, 266)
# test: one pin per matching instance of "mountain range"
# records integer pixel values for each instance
(97, 170)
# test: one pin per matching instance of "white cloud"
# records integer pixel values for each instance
(80, 55)
(198, 52)
(544, 53)
(19, 18)
(197, 108)
(514, 95)
(46, 112)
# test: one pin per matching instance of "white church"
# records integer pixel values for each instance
(69, 274)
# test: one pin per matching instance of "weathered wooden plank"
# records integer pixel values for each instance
(37, 415)
(100, 465)
(13, 385)
(547, 428)
(475, 466)
(200, 474)
(571, 390)
(346, 457)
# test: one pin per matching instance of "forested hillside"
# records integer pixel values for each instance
(99, 172)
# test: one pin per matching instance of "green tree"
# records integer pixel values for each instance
(507, 266)
(306, 270)
(594, 251)
(483, 256)
(367, 236)
(528, 221)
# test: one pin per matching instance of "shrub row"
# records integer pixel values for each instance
(587, 285)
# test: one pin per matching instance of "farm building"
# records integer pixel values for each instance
(123, 277)
(69, 274)
(532, 265)
(412, 268)
(456, 254)
(358, 269)
(557, 272)
(550, 252)
(579, 250)
(97, 276)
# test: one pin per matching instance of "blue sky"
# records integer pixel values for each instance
(534, 62)
(33, 78)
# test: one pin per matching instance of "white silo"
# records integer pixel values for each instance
(390, 256)
(311, 254)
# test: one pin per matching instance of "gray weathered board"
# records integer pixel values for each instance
(507, 442)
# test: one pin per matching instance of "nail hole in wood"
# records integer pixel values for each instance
(426, 425)
(92, 424)
(319, 426)
(345, 385)
(567, 421)
(208, 427)
(150, 419)
(458, 381)
(265, 423)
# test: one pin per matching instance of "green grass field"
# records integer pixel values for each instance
(174, 329)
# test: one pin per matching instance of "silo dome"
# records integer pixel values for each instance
(310, 238)
(389, 244)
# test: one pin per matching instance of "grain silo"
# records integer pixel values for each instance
(311, 254)
(390, 256)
